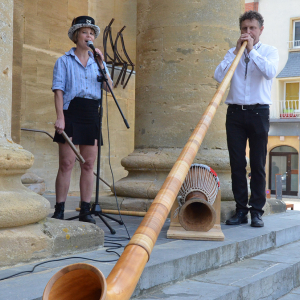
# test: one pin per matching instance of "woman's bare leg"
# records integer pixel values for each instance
(89, 153)
(66, 164)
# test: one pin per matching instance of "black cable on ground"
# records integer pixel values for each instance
(111, 247)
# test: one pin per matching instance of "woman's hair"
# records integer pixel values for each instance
(75, 34)
(252, 15)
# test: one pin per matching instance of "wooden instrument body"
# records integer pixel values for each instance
(125, 275)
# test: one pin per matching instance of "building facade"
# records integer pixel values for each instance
(282, 30)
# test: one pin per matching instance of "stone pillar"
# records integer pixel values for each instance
(179, 45)
(18, 205)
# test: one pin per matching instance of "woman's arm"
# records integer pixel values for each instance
(109, 82)
(59, 104)
(101, 60)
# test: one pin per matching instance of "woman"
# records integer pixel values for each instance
(76, 95)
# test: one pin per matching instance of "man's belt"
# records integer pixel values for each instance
(249, 107)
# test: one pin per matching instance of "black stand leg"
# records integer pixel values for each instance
(112, 231)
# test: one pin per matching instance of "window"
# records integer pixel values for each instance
(284, 161)
(292, 97)
(296, 34)
(292, 91)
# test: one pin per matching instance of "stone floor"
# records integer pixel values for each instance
(182, 262)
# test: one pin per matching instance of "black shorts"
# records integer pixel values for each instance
(81, 122)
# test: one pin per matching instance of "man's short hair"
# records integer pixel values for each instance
(252, 15)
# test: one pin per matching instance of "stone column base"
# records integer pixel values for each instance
(47, 238)
(142, 205)
(19, 206)
(148, 169)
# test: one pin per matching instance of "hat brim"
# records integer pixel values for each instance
(77, 26)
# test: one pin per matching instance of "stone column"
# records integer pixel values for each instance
(179, 45)
(18, 205)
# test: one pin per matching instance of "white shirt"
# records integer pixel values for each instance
(255, 88)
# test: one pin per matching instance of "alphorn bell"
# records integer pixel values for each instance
(122, 280)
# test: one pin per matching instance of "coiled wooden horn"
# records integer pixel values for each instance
(125, 275)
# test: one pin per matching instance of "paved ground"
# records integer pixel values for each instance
(170, 258)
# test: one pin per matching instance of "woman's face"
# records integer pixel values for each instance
(85, 34)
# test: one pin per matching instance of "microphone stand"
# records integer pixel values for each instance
(96, 209)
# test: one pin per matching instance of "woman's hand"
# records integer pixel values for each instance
(101, 57)
(59, 125)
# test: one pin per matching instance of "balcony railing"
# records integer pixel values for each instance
(289, 109)
(294, 44)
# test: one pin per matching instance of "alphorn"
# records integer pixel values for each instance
(83, 281)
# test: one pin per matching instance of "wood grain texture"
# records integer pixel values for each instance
(152, 223)
(125, 275)
(77, 281)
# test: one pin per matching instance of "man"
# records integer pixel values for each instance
(247, 117)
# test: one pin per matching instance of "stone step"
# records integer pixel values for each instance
(177, 260)
(181, 259)
(266, 276)
(293, 295)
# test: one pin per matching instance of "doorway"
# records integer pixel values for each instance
(284, 161)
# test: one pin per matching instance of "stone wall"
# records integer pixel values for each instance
(40, 37)
(179, 45)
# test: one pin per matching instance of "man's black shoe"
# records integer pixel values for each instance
(256, 220)
(239, 218)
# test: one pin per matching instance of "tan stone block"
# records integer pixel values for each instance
(38, 188)
(47, 238)
(108, 201)
(30, 8)
(122, 142)
(77, 8)
(29, 66)
(53, 12)
(29, 178)
(34, 244)
(39, 103)
(45, 64)
(131, 204)
(20, 206)
(37, 32)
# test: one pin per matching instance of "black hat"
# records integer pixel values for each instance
(83, 21)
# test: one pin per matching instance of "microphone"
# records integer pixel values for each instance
(91, 45)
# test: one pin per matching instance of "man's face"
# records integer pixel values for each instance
(252, 27)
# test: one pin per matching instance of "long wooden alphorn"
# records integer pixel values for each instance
(122, 280)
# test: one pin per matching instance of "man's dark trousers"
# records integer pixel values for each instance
(252, 124)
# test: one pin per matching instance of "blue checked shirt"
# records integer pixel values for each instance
(75, 80)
